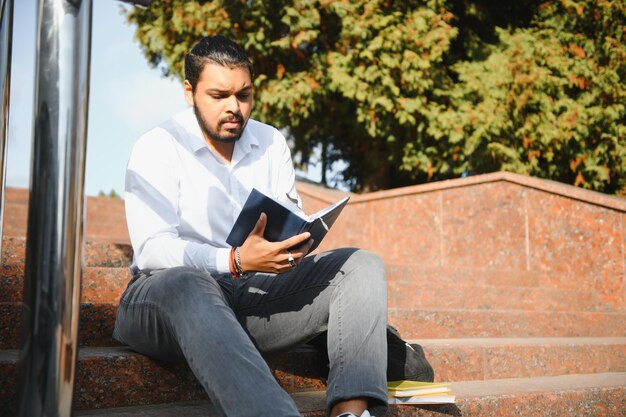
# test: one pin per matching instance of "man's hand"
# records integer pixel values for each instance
(261, 255)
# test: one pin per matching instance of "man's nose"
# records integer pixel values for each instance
(232, 104)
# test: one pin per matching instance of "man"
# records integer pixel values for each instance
(186, 182)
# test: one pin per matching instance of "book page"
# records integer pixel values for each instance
(291, 206)
(427, 399)
(328, 209)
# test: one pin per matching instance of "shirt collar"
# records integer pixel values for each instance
(248, 138)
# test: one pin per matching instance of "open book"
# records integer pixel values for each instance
(414, 392)
(282, 222)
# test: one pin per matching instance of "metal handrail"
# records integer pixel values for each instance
(54, 237)
(6, 37)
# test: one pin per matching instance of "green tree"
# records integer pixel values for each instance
(110, 194)
(359, 77)
(548, 101)
(413, 91)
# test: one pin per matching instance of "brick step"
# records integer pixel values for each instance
(405, 290)
(459, 323)
(97, 321)
(96, 325)
(502, 288)
(95, 253)
(409, 272)
(101, 284)
(409, 285)
(497, 358)
(467, 295)
(563, 396)
(108, 377)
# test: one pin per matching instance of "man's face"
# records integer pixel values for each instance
(222, 101)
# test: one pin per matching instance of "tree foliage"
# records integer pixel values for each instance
(412, 91)
(548, 101)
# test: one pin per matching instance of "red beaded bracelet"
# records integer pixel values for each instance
(233, 269)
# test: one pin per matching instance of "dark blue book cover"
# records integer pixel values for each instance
(282, 223)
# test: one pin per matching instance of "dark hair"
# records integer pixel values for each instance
(218, 50)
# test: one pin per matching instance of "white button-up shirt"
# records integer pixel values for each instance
(182, 199)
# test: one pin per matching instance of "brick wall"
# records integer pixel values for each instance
(502, 227)
(105, 218)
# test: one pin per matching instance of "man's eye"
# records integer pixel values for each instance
(218, 96)
(243, 96)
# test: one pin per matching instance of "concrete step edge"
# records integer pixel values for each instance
(421, 309)
(500, 310)
(512, 386)
(7, 355)
(312, 404)
(519, 341)
(97, 321)
(453, 359)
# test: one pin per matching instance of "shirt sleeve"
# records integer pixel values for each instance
(151, 200)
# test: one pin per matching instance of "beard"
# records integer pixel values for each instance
(232, 136)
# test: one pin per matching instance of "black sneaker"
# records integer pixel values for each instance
(404, 360)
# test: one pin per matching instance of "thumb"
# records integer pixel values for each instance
(259, 227)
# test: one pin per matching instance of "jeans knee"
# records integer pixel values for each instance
(370, 259)
(366, 260)
(368, 270)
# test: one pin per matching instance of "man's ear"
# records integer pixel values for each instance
(188, 92)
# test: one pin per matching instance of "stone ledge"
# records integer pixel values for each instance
(549, 186)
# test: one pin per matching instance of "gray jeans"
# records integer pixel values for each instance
(219, 325)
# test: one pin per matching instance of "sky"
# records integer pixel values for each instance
(127, 98)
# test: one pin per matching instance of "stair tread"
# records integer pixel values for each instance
(502, 310)
(298, 370)
(96, 252)
(448, 291)
(511, 386)
(11, 355)
(526, 341)
(468, 393)
(94, 351)
(454, 322)
(108, 282)
(97, 320)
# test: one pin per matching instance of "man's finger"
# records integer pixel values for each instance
(294, 240)
(259, 227)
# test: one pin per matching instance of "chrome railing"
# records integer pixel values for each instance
(6, 35)
(54, 237)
